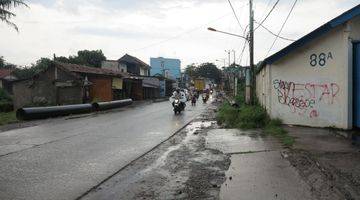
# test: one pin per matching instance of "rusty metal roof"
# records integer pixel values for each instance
(90, 70)
(133, 60)
(5, 72)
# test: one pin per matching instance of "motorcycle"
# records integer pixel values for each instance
(178, 106)
(204, 98)
(193, 101)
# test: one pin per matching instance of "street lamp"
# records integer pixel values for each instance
(229, 52)
(221, 60)
(214, 30)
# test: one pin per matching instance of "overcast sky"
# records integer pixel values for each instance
(153, 28)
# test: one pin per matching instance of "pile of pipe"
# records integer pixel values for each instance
(56, 111)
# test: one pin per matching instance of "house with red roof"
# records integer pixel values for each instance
(6, 79)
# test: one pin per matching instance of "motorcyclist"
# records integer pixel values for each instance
(178, 94)
(193, 100)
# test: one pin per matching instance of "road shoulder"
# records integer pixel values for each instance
(203, 161)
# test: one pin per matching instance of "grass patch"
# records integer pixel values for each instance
(7, 118)
(250, 117)
(274, 128)
(245, 117)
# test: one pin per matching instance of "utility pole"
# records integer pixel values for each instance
(234, 56)
(229, 52)
(162, 67)
(232, 77)
(251, 48)
(235, 74)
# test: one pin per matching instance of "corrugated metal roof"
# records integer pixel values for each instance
(90, 70)
(5, 72)
(133, 60)
(341, 19)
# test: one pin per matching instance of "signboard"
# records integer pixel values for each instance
(162, 88)
(151, 82)
(117, 83)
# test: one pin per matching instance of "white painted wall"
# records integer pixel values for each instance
(321, 96)
(144, 72)
(114, 65)
(122, 67)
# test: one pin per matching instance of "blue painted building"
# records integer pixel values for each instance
(170, 68)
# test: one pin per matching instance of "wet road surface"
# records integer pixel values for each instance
(62, 159)
(180, 168)
(204, 161)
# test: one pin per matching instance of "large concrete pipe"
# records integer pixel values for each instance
(111, 104)
(52, 111)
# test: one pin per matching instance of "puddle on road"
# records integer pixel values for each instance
(235, 141)
(180, 168)
(155, 133)
(207, 157)
(191, 129)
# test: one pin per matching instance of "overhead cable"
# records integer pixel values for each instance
(181, 34)
(237, 19)
(262, 21)
(284, 38)
(283, 25)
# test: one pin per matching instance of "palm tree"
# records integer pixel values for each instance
(6, 14)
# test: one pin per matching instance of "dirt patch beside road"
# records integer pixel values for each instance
(331, 175)
(328, 163)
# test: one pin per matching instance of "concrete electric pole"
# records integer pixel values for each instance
(250, 89)
(234, 56)
(229, 56)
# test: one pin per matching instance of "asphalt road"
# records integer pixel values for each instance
(64, 158)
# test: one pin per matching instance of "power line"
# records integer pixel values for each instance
(262, 21)
(283, 25)
(242, 52)
(284, 38)
(267, 6)
(237, 19)
(179, 35)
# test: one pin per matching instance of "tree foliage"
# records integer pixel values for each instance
(2, 62)
(28, 72)
(205, 70)
(5, 11)
(190, 70)
(5, 65)
(92, 58)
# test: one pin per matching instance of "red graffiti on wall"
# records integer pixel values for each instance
(314, 114)
(302, 97)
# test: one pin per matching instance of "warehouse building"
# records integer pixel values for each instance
(315, 81)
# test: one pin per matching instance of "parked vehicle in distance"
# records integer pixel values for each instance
(199, 84)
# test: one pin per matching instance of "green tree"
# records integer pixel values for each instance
(92, 58)
(190, 70)
(2, 62)
(209, 70)
(62, 59)
(5, 11)
(28, 72)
